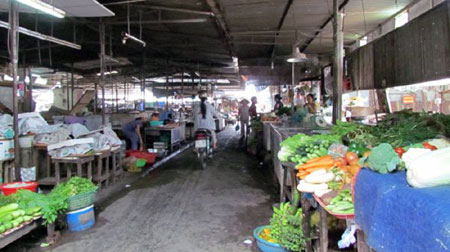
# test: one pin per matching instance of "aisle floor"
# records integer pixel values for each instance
(181, 208)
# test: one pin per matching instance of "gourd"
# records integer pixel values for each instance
(431, 169)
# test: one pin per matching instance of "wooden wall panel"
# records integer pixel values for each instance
(416, 52)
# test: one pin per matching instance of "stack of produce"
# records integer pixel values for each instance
(342, 203)
(11, 216)
(286, 225)
(52, 204)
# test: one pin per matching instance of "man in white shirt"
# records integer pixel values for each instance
(244, 117)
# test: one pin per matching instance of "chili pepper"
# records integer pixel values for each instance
(429, 146)
(399, 151)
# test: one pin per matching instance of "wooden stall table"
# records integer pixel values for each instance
(41, 148)
(289, 183)
(116, 168)
(323, 233)
(69, 162)
(102, 168)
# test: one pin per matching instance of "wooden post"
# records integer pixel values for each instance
(167, 86)
(14, 58)
(338, 66)
(323, 233)
(73, 85)
(117, 97)
(95, 98)
(292, 88)
(102, 67)
(182, 85)
(31, 90)
(67, 92)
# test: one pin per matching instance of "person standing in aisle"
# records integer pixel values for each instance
(252, 110)
(278, 103)
(132, 131)
(299, 101)
(310, 104)
(244, 117)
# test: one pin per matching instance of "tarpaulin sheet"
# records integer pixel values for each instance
(396, 217)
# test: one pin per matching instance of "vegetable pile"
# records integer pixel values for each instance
(52, 204)
(286, 225)
(342, 203)
(12, 216)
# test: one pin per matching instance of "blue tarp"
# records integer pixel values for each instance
(396, 217)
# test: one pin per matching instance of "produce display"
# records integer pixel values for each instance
(286, 225)
(327, 163)
(342, 203)
(50, 205)
(13, 215)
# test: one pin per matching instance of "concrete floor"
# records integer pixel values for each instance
(181, 208)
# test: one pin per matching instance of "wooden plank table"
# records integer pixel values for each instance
(19, 233)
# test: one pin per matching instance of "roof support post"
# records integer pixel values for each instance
(338, 64)
(14, 57)
(102, 67)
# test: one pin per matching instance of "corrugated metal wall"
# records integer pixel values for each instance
(416, 52)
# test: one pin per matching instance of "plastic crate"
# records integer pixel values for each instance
(81, 200)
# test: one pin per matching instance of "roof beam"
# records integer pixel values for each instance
(152, 7)
(309, 41)
(222, 25)
(280, 24)
(170, 21)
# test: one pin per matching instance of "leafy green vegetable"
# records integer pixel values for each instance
(51, 204)
(383, 159)
(75, 186)
(286, 225)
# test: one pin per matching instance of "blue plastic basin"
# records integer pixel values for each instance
(82, 219)
(264, 245)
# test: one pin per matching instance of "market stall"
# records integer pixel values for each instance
(171, 135)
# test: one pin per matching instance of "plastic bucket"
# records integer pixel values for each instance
(82, 219)
(26, 141)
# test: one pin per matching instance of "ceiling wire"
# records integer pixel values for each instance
(364, 15)
(128, 18)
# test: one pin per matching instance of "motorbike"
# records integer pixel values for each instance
(203, 146)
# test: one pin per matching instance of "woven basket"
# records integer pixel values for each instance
(81, 200)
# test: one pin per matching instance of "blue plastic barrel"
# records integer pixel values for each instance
(82, 219)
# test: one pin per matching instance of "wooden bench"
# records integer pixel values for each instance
(69, 163)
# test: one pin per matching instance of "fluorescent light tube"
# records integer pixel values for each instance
(44, 7)
(42, 36)
(108, 73)
(129, 36)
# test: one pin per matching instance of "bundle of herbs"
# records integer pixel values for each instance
(405, 127)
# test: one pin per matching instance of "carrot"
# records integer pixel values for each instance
(317, 159)
(324, 163)
(315, 169)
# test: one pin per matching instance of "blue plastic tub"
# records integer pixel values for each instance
(264, 245)
(82, 219)
(156, 123)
